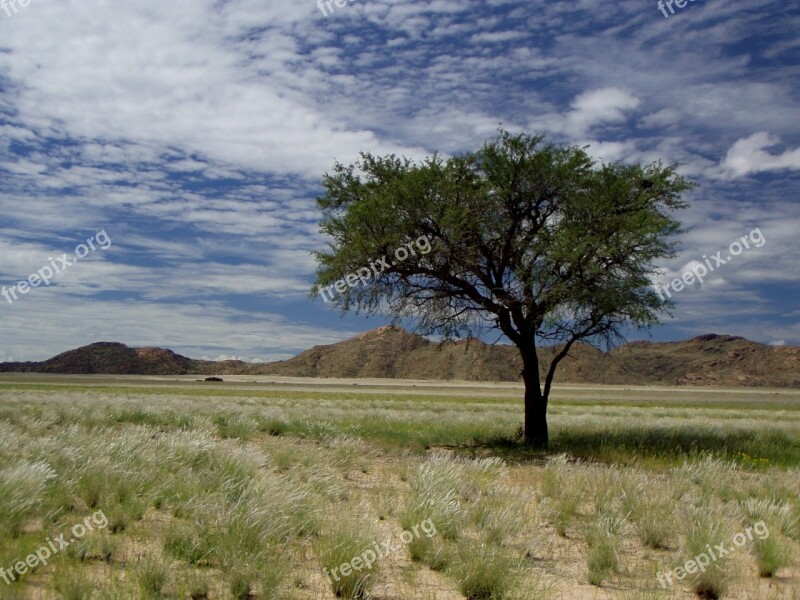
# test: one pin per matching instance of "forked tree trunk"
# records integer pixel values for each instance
(536, 433)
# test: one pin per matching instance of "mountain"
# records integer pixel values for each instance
(392, 352)
(721, 360)
(108, 358)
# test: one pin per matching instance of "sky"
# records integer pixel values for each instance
(187, 140)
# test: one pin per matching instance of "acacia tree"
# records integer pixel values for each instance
(530, 238)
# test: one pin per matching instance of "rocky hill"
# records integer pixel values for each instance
(108, 358)
(391, 352)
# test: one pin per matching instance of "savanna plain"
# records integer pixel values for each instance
(277, 488)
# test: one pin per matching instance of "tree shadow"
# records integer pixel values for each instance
(754, 448)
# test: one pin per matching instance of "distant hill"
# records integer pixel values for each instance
(392, 352)
(108, 358)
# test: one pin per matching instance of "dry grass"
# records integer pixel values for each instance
(250, 496)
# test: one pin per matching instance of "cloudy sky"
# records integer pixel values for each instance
(195, 134)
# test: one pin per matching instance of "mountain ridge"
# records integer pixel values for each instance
(393, 353)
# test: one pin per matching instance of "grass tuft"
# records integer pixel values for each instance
(485, 572)
(772, 555)
(602, 560)
(152, 575)
(344, 540)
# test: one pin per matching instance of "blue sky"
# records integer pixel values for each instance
(195, 134)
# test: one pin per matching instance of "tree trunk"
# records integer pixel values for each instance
(536, 433)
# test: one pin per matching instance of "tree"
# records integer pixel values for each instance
(530, 238)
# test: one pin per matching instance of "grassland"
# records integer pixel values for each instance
(248, 489)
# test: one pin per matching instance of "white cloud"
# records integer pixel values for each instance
(604, 106)
(609, 151)
(661, 118)
(196, 131)
(40, 329)
(607, 105)
(748, 156)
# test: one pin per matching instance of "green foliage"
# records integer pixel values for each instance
(557, 233)
(524, 236)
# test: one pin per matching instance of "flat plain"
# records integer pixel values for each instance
(260, 486)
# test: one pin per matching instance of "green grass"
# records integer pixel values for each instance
(339, 544)
(152, 575)
(772, 554)
(72, 583)
(233, 490)
(665, 434)
(241, 585)
(603, 559)
(183, 541)
(485, 572)
(660, 444)
(708, 526)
